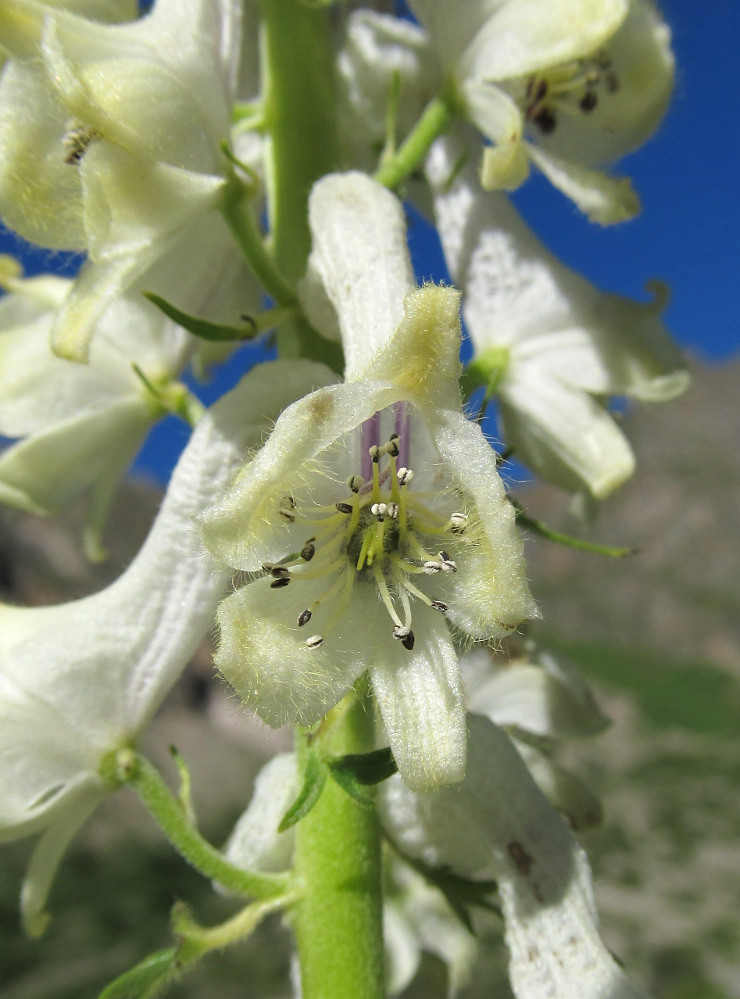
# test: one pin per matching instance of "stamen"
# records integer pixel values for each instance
(439, 605)
(458, 522)
(385, 595)
(404, 475)
(309, 550)
(315, 641)
(355, 483)
(344, 507)
(304, 617)
(405, 636)
(379, 510)
(448, 563)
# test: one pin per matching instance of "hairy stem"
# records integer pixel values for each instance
(338, 917)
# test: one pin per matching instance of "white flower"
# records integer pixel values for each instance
(588, 79)
(80, 680)
(373, 516)
(380, 53)
(555, 345)
(90, 161)
(80, 425)
(497, 824)
(539, 701)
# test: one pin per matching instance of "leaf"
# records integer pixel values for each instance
(145, 979)
(366, 768)
(314, 779)
(358, 770)
(213, 332)
(462, 894)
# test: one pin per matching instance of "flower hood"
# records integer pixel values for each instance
(333, 533)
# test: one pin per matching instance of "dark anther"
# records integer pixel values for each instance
(304, 617)
(308, 551)
(408, 641)
(344, 507)
(545, 120)
(278, 584)
(279, 572)
(589, 101)
(439, 605)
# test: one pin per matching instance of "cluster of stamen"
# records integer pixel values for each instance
(573, 88)
(380, 533)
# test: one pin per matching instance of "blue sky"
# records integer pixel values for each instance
(688, 234)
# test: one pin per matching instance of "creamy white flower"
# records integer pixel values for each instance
(498, 824)
(539, 701)
(89, 161)
(373, 516)
(380, 54)
(82, 679)
(79, 426)
(557, 347)
(592, 78)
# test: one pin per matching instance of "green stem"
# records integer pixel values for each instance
(338, 916)
(138, 773)
(300, 116)
(435, 120)
(237, 210)
(537, 527)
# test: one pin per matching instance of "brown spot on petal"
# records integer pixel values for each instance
(522, 860)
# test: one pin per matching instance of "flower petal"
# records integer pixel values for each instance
(264, 655)
(245, 528)
(523, 36)
(359, 271)
(420, 696)
(382, 53)
(48, 853)
(134, 213)
(80, 679)
(498, 823)
(642, 66)
(547, 702)
(603, 198)
(505, 164)
(40, 194)
(488, 595)
(565, 437)
(44, 471)
(255, 843)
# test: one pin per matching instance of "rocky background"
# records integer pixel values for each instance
(658, 636)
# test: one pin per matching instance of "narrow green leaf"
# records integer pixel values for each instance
(145, 979)
(356, 771)
(366, 768)
(213, 332)
(349, 783)
(537, 526)
(462, 894)
(313, 784)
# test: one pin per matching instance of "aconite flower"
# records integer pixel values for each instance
(372, 525)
